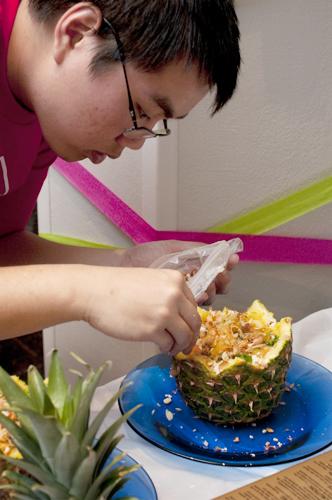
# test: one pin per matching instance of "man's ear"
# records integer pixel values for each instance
(80, 20)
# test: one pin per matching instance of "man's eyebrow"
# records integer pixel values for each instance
(165, 104)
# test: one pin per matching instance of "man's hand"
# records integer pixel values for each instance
(143, 256)
(220, 285)
(139, 304)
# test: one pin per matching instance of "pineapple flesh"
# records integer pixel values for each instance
(235, 374)
(52, 450)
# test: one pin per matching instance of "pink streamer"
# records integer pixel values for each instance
(278, 249)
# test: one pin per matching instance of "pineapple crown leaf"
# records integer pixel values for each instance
(111, 489)
(30, 496)
(57, 383)
(60, 452)
(19, 479)
(127, 498)
(67, 458)
(28, 447)
(43, 476)
(76, 372)
(52, 491)
(104, 447)
(20, 482)
(108, 478)
(80, 420)
(80, 360)
(98, 420)
(47, 432)
(16, 487)
(111, 431)
(38, 393)
(101, 447)
(107, 363)
(13, 393)
(83, 476)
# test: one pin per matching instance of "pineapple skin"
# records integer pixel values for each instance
(240, 394)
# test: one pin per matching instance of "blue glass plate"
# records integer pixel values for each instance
(139, 484)
(300, 426)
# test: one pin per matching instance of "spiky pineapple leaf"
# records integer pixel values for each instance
(27, 446)
(70, 468)
(67, 458)
(26, 497)
(15, 396)
(112, 488)
(47, 432)
(38, 393)
(100, 417)
(83, 476)
(127, 498)
(111, 431)
(52, 491)
(77, 393)
(18, 479)
(68, 411)
(111, 475)
(80, 421)
(57, 387)
(15, 487)
(71, 403)
(105, 447)
(43, 476)
(81, 361)
(13, 393)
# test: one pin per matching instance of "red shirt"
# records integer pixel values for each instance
(24, 154)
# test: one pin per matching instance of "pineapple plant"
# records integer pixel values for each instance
(53, 451)
(235, 373)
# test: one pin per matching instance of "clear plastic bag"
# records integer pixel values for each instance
(207, 260)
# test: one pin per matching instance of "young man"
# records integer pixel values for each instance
(87, 80)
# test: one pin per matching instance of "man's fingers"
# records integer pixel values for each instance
(209, 295)
(232, 261)
(190, 316)
(222, 281)
(165, 341)
(184, 327)
(184, 337)
(187, 292)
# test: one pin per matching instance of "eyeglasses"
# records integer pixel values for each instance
(134, 132)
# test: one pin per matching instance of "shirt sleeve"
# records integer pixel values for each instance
(17, 206)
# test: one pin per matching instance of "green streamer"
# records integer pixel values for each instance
(279, 212)
(66, 240)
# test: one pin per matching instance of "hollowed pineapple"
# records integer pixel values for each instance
(236, 371)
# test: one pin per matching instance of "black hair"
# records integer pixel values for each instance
(154, 33)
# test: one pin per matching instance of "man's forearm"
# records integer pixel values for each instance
(35, 297)
(24, 248)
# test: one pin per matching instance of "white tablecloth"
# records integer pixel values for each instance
(177, 478)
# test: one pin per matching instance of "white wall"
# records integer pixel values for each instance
(274, 137)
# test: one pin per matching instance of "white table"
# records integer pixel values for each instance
(177, 478)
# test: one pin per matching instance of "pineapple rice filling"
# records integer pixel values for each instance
(227, 336)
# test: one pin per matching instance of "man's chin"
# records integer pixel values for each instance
(72, 157)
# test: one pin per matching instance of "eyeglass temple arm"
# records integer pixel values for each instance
(122, 59)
